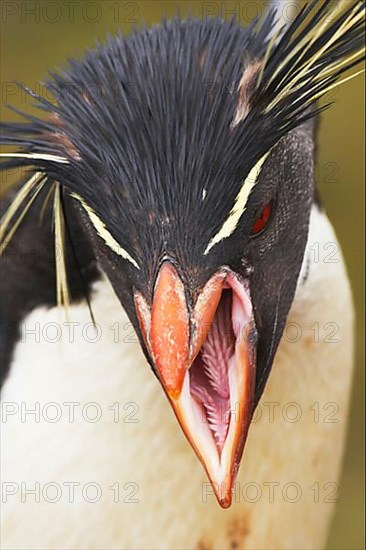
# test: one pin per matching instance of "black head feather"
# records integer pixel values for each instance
(128, 116)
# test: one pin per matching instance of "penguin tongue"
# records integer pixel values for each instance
(209, 374)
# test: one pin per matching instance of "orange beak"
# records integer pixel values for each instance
(205, 359)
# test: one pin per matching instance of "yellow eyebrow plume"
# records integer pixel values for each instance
(239, 207)
(103, 232)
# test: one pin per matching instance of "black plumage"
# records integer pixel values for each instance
(128, 131)
(151, 139)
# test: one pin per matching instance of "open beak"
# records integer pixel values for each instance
(205, 359)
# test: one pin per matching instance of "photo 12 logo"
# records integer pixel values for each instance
(275, 491)
(69, 491)
(69, 11)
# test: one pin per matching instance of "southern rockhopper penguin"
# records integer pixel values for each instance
(170, 195)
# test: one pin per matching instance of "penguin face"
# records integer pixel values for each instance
(210, 318)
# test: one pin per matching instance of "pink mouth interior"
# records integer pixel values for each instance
(209, 374)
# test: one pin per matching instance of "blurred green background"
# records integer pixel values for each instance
(37, 36)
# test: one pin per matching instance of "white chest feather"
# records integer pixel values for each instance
(108, 464)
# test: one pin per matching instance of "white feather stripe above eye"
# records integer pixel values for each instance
(239, 207)
(103, 232)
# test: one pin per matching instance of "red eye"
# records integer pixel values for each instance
(262, 221)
